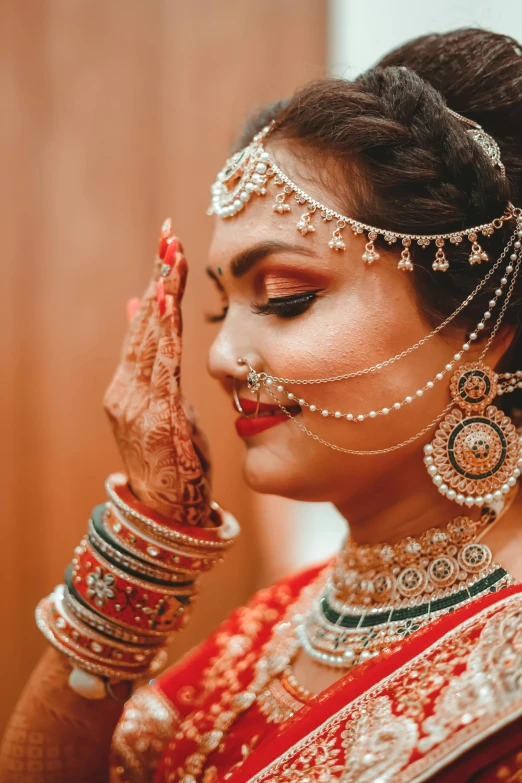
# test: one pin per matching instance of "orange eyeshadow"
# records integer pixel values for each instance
(276, 286)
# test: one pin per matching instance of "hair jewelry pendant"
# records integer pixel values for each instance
(249, 173)
(475, 456)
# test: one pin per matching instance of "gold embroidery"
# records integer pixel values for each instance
(491, 682)
(377, 743)
(147, 723)
(276, 704)
(222, 679)
(414, 710)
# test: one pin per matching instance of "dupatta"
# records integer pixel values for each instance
(444, 704)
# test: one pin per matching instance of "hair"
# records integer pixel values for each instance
(408, 165)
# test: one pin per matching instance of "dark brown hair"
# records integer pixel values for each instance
(409, 165)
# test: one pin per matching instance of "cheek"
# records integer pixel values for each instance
(344, 335)
(338, 335)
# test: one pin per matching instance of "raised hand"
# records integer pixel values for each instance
(165, 454)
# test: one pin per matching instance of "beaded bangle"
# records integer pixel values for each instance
(152, 550)
(210, 539)
(127, 589)
(97, 622)
(130, 564)
(84, 640)
(43, 621)
(129, 601)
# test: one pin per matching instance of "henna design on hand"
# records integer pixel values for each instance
(165, 453)
(54, 735)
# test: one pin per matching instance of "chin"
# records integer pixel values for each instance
(265, 472)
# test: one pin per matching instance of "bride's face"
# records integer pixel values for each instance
(349, 315)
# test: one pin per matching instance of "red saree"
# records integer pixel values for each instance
(443, 705)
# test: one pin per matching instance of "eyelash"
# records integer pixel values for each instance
(283, 306)
(286, 306)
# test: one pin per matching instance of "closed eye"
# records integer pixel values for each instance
(210, 317)
(287, 306)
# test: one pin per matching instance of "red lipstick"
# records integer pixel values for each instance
(272, 415)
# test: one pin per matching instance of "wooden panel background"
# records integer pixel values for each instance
(115, 114)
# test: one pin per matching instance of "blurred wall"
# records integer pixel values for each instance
(115, 115)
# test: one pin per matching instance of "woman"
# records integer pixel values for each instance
(396, 302)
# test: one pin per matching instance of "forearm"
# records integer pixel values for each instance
(54, 735)
(128, 588)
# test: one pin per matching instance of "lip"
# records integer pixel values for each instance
(249, 405)
(246, 428)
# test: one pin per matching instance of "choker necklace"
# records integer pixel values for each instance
(374, 596)
(379, 594)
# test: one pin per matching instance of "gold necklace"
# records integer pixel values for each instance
(382, 593)
(273, 673)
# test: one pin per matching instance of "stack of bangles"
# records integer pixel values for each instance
(128, 589)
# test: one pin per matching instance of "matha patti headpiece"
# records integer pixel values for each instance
(248, 173)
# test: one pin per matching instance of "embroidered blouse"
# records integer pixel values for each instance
(444, 704)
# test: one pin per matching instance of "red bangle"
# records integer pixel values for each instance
(91, 644)
(44, 623)
(207, 539)
(151, 550)
(77, 608)
(132, 565)
(123, 598)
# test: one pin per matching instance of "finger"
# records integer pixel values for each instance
(176, 280)
(198, 438)
(145, 311)
(165, 389)
(132, 308)
(165, 235)
(145, 353)
(168, 354)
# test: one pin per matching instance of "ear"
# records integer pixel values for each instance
(500, 353)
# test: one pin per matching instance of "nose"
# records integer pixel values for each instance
(230, 345)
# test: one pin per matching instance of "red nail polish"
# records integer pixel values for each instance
(172, 249)
(165, 237)
(160, 292)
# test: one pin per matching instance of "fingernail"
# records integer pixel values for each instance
(170, 256)
(165, 235)
(132, 307)
(160, 293)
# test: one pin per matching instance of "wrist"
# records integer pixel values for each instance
(193, 515)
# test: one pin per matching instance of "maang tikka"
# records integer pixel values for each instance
(249, 172)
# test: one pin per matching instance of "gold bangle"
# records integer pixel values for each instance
(108, 627)
(117, 484)
(131, 563)
(102, 671)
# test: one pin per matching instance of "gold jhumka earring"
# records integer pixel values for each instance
(475, 456)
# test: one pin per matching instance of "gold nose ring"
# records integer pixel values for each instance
(236, 398)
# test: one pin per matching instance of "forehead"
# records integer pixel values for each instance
(258, 222)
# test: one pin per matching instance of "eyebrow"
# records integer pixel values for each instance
(246, 259)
